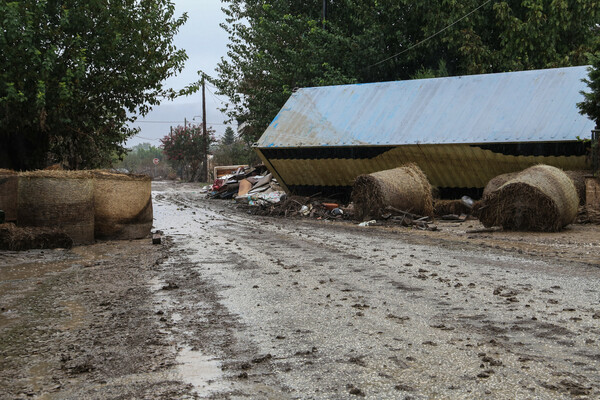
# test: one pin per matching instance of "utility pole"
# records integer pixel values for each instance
(205, 163)
(324, 12)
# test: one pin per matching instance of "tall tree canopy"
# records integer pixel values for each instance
(184, 148)
(590, 106)
(74, 73)
(278, 45)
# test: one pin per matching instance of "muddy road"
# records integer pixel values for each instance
(235, 306)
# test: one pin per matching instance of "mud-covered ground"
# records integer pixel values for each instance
(238, 306)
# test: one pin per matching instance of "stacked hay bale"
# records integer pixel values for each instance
(123, 205)
(58, 199)
(405, 188)
(9, 186)
(540, 198)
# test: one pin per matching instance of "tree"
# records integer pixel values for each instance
(234, 151)
(278, 45)
(184, 149)
(73, 75)
(140, 159)
(228, 137)
(590, 106)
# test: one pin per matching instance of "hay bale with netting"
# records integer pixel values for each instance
(496, 182)
(58, 199)
(578, 179)
(122, 205)
(17, 238)
(447, 207)
(9, 186)
(540, 198)
(404, 188)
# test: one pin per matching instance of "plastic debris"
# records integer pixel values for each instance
(367, 223)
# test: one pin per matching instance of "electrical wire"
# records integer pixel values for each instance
(174, 122)
(215, 96)
(430, 37)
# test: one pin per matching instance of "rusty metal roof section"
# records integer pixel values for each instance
(526, 106)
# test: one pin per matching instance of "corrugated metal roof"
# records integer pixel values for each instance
(520, 106)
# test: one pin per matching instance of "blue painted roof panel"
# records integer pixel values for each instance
(538, 105)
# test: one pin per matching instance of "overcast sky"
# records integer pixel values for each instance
(205, 43)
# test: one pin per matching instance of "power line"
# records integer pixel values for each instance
(430, 37)
(173, 122)
(157, 122)
(146, 138)
(215, 96)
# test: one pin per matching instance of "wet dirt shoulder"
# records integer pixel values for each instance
(80, 324)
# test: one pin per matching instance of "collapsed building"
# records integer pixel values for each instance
(461, 131)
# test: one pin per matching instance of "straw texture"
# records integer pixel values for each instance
(9, 185)
(58, 199)
(578, 179)
(405, 188)
(122, 205)
(16, 239)
(497, 181)
(446, 207)
(540, 198)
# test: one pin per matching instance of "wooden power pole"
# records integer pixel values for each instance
(205, 163)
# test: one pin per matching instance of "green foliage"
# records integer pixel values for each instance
(139, 160)
(184, 149)
(228, 137)
(234, 151)
(590, 106)
(279, 45)
(73, 75)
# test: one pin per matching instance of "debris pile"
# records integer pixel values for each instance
(300, 206)
(540, 198)
(459, 207)
(405, 218)
(252, 186)
(403, 188)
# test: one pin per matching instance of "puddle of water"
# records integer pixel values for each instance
(199, 370)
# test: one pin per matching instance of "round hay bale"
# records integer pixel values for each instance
(496, 182)
(58, 199)
(540, 198)
(578, 179)
(405, 188)
(122, 205)
(9, 192)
